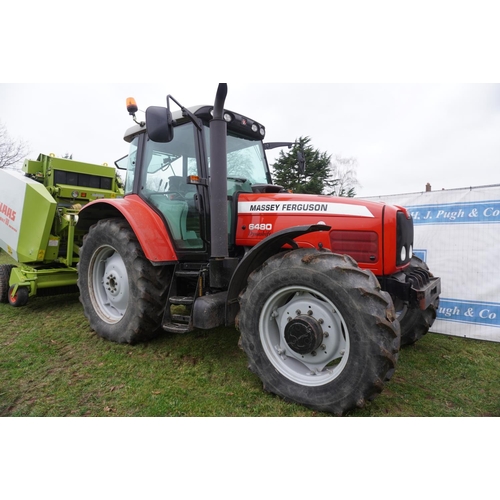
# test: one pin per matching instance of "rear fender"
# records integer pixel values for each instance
(257, 256)
(147, 225)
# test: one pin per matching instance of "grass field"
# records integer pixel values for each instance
(52, 364)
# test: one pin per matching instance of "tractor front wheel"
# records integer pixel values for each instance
(414, 322)
(122, 293)
(318, 331)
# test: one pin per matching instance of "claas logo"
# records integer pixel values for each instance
(6, 210)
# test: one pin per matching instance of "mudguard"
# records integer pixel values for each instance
(147, 225)
(257, 256)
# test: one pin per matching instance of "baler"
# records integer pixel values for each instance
(39, 210)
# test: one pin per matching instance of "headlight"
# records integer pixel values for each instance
(403, 254)
(404, 239)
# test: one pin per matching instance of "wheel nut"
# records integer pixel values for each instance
(309, 313)
(298, 312)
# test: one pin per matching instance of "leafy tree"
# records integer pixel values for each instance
(323, 175)
(313, 181)
(11, 152)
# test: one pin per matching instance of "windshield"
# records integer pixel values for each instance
(246, 160)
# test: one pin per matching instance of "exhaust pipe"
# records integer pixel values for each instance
(218, 177)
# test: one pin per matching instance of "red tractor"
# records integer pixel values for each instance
(323, 290)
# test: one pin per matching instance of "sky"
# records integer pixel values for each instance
(402, 135)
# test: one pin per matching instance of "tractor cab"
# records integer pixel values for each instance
(173, 177)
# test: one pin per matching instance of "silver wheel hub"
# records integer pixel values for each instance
(110, 287)
(304, 336)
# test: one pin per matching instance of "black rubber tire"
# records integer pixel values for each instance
(370, 325)
(5, 270)
(144, 286)
(414, 322)
(21, 297)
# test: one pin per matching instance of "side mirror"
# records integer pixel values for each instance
(159, 124)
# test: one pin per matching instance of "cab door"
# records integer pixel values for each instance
(165, 186)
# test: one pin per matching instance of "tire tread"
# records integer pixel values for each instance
(376, 309)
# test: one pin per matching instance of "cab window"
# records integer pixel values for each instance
(164, 185)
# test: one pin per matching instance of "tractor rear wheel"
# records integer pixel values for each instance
(318, 331)
(414, 322)
(5, 270)
(122, 293)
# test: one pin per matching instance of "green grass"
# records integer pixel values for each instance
(52, 364)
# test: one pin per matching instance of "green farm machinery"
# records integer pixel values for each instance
(39, 210)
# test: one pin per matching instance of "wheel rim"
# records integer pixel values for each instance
(304, 311)
(109, 290)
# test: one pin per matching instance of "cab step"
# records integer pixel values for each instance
(178, 317)
(177, 328)
(187, 274)
(181, 301)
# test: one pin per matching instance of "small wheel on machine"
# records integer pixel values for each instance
(20, 298)
(318, 331)
(5, 270)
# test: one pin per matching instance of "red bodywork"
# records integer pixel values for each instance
(364, 230)
(147, 225)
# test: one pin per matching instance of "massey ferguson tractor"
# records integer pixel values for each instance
(323, 290)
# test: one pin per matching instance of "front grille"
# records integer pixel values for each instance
(362, 246)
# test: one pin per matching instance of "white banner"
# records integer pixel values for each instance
(457, 232)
